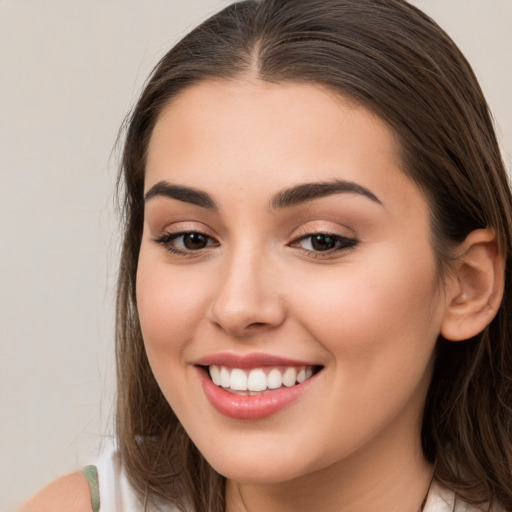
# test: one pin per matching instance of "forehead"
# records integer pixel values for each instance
(265, 136)
(225, 110)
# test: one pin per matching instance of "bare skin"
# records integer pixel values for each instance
(69, 493)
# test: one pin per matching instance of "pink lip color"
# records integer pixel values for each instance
(255, 407)
(249, 361)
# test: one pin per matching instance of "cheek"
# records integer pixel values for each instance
(161, 310)
(379, 325)
(169, 310)
(361, 310)
(170, 306)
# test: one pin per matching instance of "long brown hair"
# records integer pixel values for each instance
(394, 60)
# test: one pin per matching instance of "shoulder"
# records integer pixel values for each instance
(69, 493)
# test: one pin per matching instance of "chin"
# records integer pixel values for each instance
(264, 472)
(271, 466)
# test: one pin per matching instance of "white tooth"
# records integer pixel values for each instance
(224, 377)
(309, 372)
(301, 376)
(274, 379)
(289, 377)
(215, 374)
(257, 380)
(238, 380)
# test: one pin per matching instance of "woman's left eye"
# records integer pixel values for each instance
(326, 243)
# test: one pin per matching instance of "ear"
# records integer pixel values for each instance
(476, 286)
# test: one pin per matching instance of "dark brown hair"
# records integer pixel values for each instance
(394, 60)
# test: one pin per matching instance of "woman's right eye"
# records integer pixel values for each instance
(186, 242)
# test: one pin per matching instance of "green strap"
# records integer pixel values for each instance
(91, 473)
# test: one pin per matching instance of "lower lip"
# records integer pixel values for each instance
(255, 407)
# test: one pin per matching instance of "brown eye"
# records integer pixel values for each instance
(195, 241)
(323, 243)
(186, 242)
(317, 244)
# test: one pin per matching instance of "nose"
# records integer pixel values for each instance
(247, 299)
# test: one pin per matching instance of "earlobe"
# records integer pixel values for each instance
(476, 289)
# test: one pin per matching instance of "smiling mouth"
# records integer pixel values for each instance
(257, 381)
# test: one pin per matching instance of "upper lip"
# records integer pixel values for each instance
(254, 360)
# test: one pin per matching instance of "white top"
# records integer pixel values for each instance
(116, 493)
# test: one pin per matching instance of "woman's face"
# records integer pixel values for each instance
(285, 250)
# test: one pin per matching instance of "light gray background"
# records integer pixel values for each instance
(69, 72)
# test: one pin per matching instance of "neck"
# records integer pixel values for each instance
(388, 474)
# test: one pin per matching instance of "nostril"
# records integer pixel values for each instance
(241, 313)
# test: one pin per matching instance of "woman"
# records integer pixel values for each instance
(314, 292)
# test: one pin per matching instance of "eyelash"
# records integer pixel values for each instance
(343, 243)
(167, 240)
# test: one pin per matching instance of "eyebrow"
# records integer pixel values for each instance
(181, 193)
(309, 191)
(287, 198)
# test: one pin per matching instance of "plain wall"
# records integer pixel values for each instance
(69, 72)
